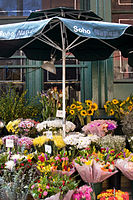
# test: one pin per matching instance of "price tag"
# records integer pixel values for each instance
(59, 113)
(49, 134)
(9, 143)
(48, 148)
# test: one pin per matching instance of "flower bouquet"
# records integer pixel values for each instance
(25, 142)
(100, 127)
(96, 166)
(55, 143)
(79, 141)
(81, 111)
(113, 194)
(84, 192)
(27, 128)
(12, 126)
(56, 126)
(53, 187)
(63, 164)
(126, 166)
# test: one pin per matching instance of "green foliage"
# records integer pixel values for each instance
(14, 106)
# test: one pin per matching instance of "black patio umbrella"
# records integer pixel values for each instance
(54, 37)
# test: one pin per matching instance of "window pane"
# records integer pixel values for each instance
(121, 68)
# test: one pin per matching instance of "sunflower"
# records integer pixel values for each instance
(72, 112)
(90, 112)
(94, 106)
(107, 102)
(111, 112)
(122, 103)
(80, 107)
(115, 101)
(105, 106)
(122, 111)
(130, 108)
(88, 102)
(73, 106)
(83, 112)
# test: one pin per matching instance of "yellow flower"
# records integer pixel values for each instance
(1, 142)
(105, 106)
(111, 112)
(89, 162)
(58, 141)
(90, 112)
(39, 141)
(107, 102)
(94, 106)
(73, 106)
(115, 101)
(83, 112)
(72, 112)
(128, 98)
(122, 111)
(122, 103)
(88, 102)
(78, 102)
(29, 156)
(130, 108)
(80, 107)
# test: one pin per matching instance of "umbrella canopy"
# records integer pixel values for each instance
(86, 40)
(53, 37)
(68, 13)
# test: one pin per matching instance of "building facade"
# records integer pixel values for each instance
(99, 81)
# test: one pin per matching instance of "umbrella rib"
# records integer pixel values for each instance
(54, 44)
(72, 43)
(78, 43)
(49, 43)
(108, 44)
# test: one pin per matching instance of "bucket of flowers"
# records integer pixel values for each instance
(113, 194)
(100, 127)
(53, 187)
(81, 111)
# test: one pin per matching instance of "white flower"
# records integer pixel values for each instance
(1, 124)
(9, 164)
(17, 157)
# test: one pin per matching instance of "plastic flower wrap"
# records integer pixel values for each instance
(126, 166)
(119, 108)
(55, 126)
(100, 127)
(83, 192)
(12, 126)
(25, 142)
(113, 194)
(83, 111)
(79, 141)
(27, 128)
(52, 184)
(95, 166)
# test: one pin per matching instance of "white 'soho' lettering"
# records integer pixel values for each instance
(81, 30)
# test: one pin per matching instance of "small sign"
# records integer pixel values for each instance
(49, 134)
(9, 143)
(48, 148)
(59, 113)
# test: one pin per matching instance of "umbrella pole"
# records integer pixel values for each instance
(63, 89)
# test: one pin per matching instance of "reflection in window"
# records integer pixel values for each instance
(121, 68)
(19, 7)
